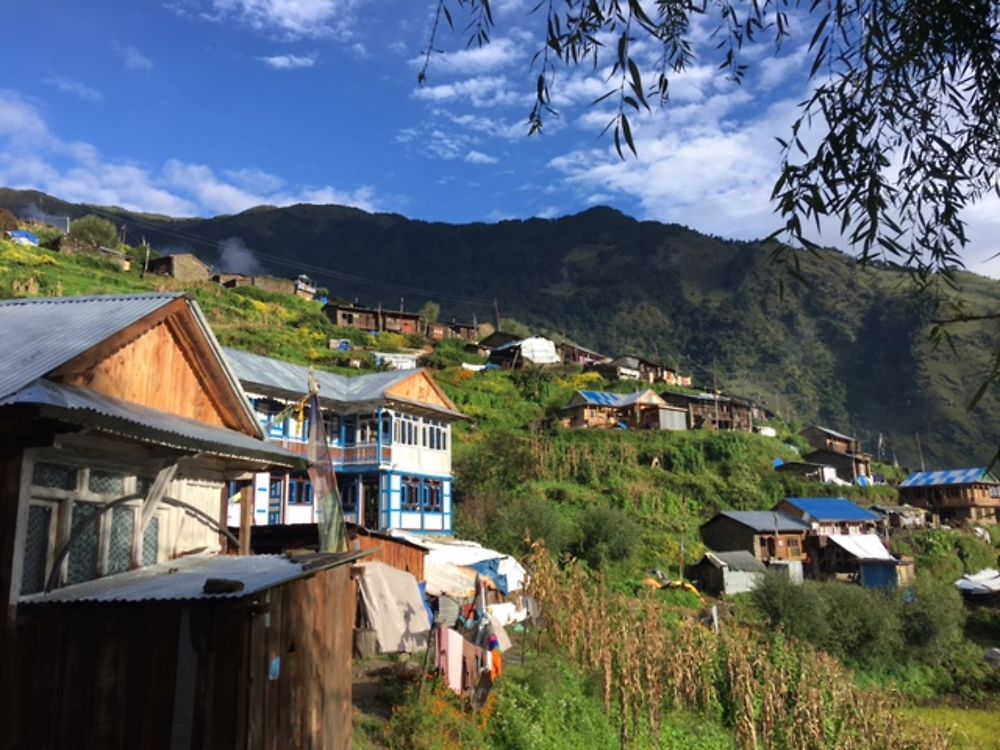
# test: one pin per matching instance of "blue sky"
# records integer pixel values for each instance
(201, 107)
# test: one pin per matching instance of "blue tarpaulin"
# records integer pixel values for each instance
(491, 569)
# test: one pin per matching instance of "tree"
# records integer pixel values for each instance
(429, 312)
(95, 230)
(904, 101)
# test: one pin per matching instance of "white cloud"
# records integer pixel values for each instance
(479, 91)
(291, 19)
(478, 157)
(69, 86)
(134, 60)
(33, 157)
(360, 50)
(500, 53)
(289, 62)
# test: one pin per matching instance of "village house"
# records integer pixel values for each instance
(490, 342)
(843, 452)
(767, 535)
(389, 442)
(814, 472)
(708, 411)
(601, 410)
(727, 573)
(182, 266)
(438, 331)
(954, 496)
(831, 515)
(122, 428)
(573, 354)
(372, 319)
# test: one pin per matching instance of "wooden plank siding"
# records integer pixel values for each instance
(181, 674)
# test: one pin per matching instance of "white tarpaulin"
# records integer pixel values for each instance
(861, 546)
(445, 565)
(986, 581)
(539, 351)
(394, 607)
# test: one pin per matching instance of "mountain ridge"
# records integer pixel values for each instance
(850, 349)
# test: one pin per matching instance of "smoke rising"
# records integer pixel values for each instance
(235, 257)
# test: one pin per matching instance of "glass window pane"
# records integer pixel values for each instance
(120, 547)
(151, 542)
(83, 552)
(106, 483)
(54, 475)
(36, 547)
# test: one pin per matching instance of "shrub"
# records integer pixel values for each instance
(95, 230)
(607, 535)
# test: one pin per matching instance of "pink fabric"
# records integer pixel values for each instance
(449, 658)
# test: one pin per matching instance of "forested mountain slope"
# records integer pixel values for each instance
(848, 349)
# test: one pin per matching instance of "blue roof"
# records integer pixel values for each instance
(949, 476)
(831, 509)
(600, 398)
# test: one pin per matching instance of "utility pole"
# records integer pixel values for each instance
(145, 262)
(920, 452)
(715, 389)
(496, 309)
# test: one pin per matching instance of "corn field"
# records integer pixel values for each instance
(772, 693)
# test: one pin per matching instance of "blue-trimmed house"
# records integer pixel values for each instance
(956, 495)
(390, 444)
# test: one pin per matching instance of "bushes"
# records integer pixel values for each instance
(95, 230)
(914, 635)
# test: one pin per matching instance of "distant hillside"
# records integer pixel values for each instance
(848, 350)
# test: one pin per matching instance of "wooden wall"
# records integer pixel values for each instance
(174, 674)
(397, 554)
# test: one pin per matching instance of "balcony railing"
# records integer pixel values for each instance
(363, 454)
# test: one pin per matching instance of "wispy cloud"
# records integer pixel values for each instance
(134, 60)
(289, 62)
(33, 156)
(478, 157)
(498, 54)
(291, 19)
(69, 86)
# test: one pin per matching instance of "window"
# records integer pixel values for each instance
(275, 487)
(300, 490)
(432, 496)
(410, 499)
(349, 498)
(106, 542)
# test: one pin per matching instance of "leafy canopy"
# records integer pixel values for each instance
(95, 230)
(902, 115)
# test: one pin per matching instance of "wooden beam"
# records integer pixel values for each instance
(246, 518)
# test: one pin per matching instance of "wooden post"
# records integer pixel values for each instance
(246, 517)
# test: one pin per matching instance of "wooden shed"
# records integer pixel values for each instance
(150, 659)
(183, 267)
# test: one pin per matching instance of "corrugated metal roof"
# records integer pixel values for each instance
(184, 579)
(831, 509)
(949, 476)
(38, 335)
(831, 433)
(740, 560)
(336, 390)
(766, 520)
(92, 409)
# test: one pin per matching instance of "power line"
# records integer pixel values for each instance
(300, 265)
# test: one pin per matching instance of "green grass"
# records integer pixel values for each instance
(969, 728)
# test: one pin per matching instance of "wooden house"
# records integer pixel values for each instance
(121, 426)
(573, 354)
(727, 573)
(490, 342)
(843, 452)
(439, 331)
(350, 315)
(707, 411)
(767, 535)
(182, 266)
(823, 473)
(831, 515)
(601, 410)
(200, 653)
(389, 437)
(955, 496)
